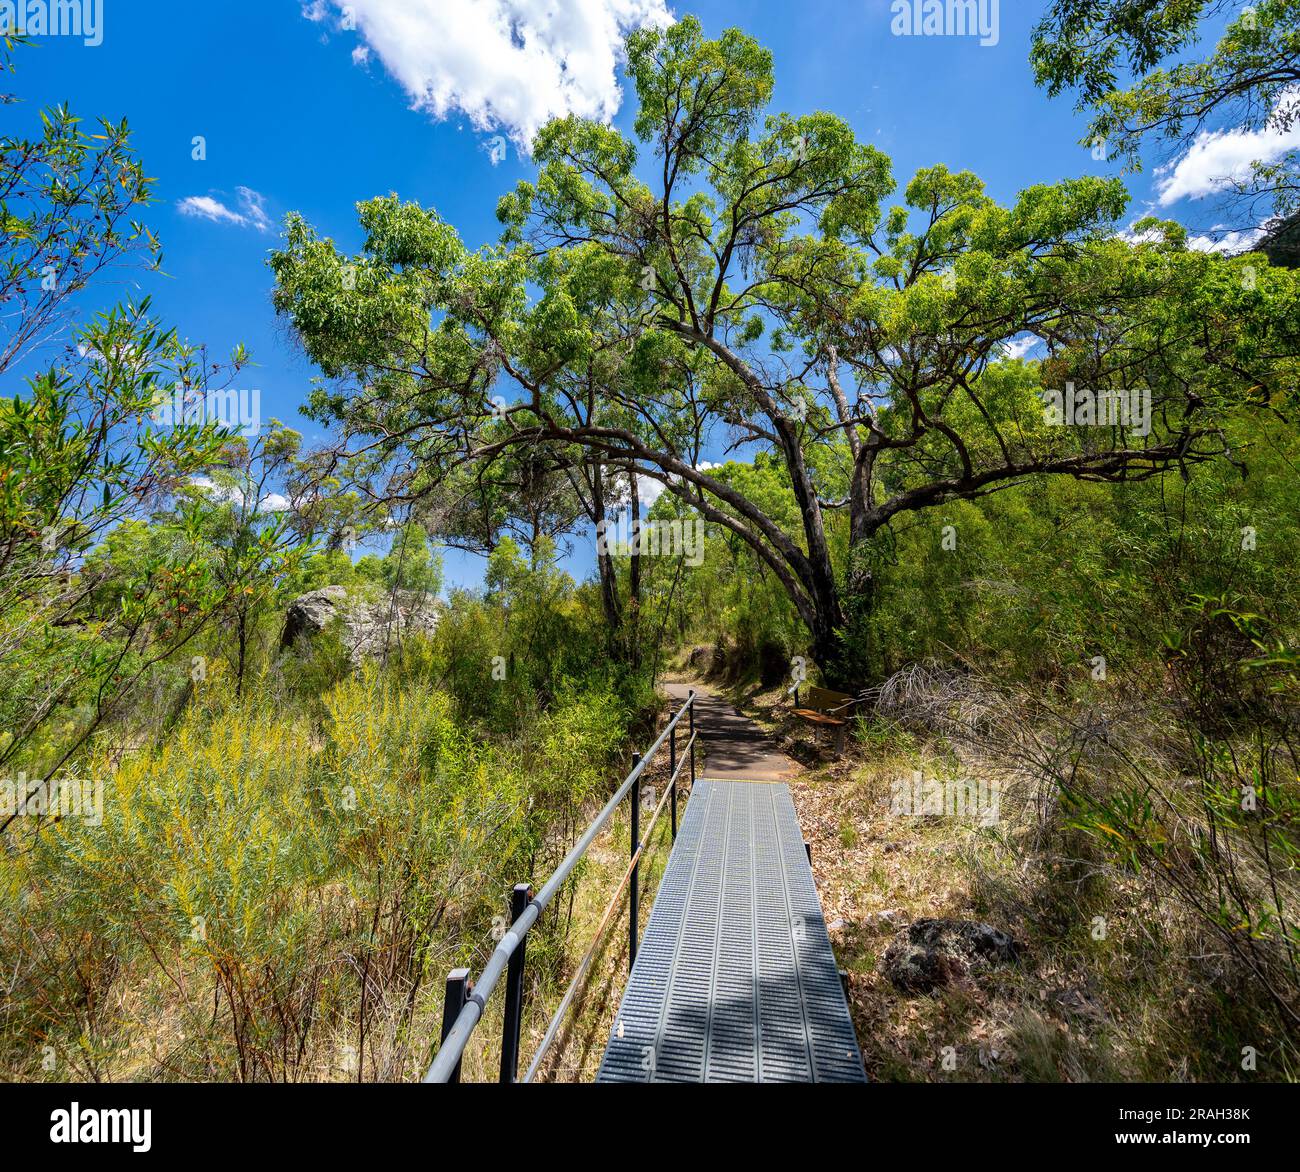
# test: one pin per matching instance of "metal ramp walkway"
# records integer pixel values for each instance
(735, 980)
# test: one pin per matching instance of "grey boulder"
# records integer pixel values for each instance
(366, 627)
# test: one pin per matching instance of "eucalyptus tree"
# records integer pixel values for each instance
(733, 282)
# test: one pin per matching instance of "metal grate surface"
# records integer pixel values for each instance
(735, 980)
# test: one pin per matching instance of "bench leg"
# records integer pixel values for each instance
(841, 734)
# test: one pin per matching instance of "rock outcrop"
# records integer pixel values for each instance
(365, 627)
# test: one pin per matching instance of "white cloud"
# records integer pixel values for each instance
(123, 353)
(361, 54)
(1230, 241)
(505, 64)
(651, 490)
(273, 502)
(1020, 347)
(1153, 235)
(648, 490)
(1217, 159)
(250, 214)
(207, 208)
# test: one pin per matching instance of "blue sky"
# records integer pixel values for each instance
(301, 113)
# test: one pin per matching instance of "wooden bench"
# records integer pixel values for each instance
(825, 709)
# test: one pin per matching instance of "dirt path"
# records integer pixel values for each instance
(735, 748)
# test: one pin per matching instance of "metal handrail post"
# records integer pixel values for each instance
(514, 1018)
(458, 988)
(690, 703)
(635, 842)
(672, 767)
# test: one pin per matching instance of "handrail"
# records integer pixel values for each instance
(509, 952)
(552, 1030)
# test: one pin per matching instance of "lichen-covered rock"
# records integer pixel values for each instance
(366, 628)
(312, 614)
(931, 953)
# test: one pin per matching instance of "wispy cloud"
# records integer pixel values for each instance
(250, 210)
(510, 65)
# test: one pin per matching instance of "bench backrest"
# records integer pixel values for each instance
(821, 700)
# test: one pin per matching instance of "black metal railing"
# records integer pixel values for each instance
(466, 1000)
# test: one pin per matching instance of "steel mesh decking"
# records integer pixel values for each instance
(735, 980)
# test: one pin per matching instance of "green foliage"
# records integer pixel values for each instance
(79, 460)
(511, 653)
(311, 877)
(332, 567)
(66, 204)
(410, 564)
(270, 893)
